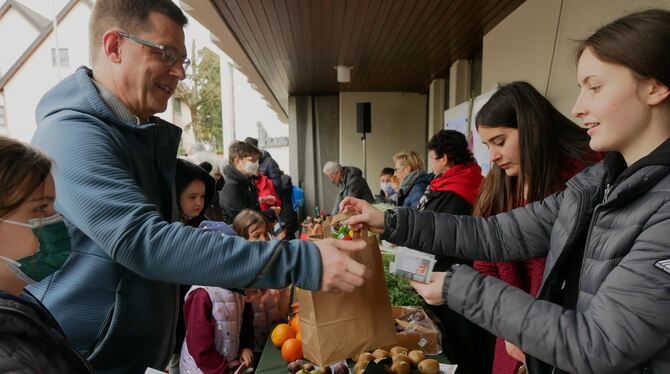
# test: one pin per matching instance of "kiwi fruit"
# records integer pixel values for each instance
(402, 358)
(416, 357)
(401, 367)
(398, 350)
(380, 353)
(429, 366)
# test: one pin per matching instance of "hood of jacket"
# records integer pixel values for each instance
(186, 173)
(349, 173)
(233, 175)
(462, 179)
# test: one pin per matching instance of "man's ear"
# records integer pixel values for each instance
(111, 41)
(658, 92)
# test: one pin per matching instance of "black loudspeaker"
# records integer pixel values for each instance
(363, 118)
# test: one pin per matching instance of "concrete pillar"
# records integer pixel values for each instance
(313, 140)
(227, 105)
(459, 82)
(436, 106)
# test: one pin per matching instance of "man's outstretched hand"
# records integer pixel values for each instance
(340, 272)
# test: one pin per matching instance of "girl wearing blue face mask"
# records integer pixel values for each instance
(34, 243)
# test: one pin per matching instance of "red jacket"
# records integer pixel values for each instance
(526, 275)
(265, 189)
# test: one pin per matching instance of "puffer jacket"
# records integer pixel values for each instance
(615, 224)
(353, 184)
(32, 342)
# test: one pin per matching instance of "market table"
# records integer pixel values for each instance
(272, 362)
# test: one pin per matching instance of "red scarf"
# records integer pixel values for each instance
(462, 179)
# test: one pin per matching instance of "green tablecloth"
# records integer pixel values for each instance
(272, 362)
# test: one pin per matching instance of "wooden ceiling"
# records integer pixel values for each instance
(393, 45)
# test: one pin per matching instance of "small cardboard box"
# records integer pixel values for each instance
(421, 334)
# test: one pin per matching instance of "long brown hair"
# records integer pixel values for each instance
(547, 139)
(247, 218)
(23, 169)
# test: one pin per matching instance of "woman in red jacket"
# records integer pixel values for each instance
(534, 150)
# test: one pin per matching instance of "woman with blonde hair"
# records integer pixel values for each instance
(410, 171)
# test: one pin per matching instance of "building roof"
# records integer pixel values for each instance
(291, 47)
(43, 25)
(34, 18)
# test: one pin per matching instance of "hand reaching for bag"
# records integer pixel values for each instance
(367, 214)
(339, 271)
(431, 292)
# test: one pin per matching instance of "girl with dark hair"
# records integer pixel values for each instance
(34, 243)
(534, 150)
(604, 300)
(195, 191)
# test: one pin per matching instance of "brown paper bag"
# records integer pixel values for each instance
(335, 326)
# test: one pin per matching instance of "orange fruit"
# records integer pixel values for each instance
(298, 335)
(291, 350)
(295, 323)
(281, 333)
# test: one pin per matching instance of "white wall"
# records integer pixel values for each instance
(398, 123)
(38, 75)
(522, 46)
(17, 34)
(250, 108)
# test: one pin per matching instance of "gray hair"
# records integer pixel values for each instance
(331, 167)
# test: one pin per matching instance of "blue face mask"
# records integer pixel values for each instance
(387, 187)
(54, 249)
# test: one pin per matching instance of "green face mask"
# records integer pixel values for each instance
(54, 249)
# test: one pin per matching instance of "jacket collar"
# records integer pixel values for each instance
(115, 104)
(234, 175)
(630, 181)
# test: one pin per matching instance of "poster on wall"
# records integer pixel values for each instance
(458, 118)
(479, 150)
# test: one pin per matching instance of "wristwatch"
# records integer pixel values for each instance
(390, 220)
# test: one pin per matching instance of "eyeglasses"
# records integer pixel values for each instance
(170, 56)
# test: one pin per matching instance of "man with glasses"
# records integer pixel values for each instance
(116, 296)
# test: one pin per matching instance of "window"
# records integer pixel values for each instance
(176, 107)
(3, 120)
(62, 59)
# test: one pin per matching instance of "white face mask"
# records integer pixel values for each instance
(386, 187)
(251, 168)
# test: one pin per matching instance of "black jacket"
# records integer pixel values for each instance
(269, 167)
(238, 193)
(353, 184)
(288, 215)
(31, 340)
